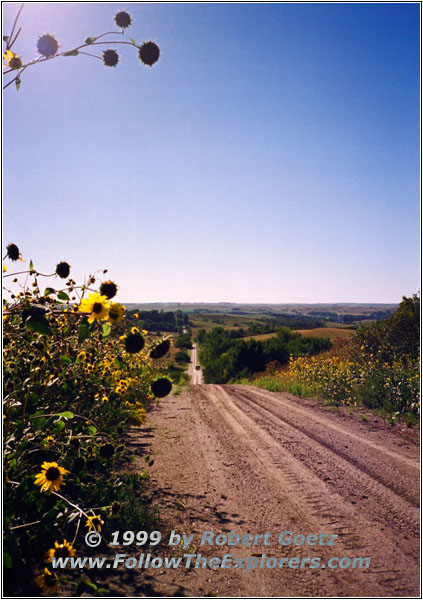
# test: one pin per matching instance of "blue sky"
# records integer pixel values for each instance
(270, 155)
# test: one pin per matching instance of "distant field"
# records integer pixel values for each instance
(208, 321)
(263, 336)
(333, 333)
(251, 310)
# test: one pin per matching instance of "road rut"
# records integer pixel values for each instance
(236, 458)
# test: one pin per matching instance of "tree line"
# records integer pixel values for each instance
(225, 359)
(155, 320)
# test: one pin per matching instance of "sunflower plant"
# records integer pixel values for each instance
(77, 375)
(48, 48)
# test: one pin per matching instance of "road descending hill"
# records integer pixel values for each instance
(243, 460)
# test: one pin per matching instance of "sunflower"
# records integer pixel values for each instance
(51, 477)
(13, 252)
(110, 58)
(48, 581)
(63, 269)
(61, 551)
(116, 312)
(12, 60)
(47, 45)
(161, 387)
(149, 53)
(97, 305)
(94, 522)
(123, 19)
(109, 289)
(160, 349)
(49, 441)
(140, 416)
(134, 342)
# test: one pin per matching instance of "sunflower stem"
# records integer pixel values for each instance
(9, 45)
(26, 525)
(77, 530)
(71, 504)
(93, 55)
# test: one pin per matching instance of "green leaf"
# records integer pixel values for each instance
(39, 423)
(17, 83)
(62, 296)
(92, 430)
(71, 53)
(66, 360)
(84, 331)
(58, 426)
(67, 414)
(7, 559)
(90, 40)
(106, 329)
(133, 41)
(49, 291)
(31, 265)
(38, 324)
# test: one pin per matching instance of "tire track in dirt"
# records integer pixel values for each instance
(314, 493)
(391, 490)
(252, 461)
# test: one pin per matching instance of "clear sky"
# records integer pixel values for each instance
(270, 155)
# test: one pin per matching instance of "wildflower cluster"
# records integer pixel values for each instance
(77, 374)
(371, 382)
(47, 48)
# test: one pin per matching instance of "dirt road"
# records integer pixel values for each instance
(194, 369)
(236, 458)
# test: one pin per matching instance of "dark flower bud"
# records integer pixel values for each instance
(110, 58)
(108, 289)
(161, 387)
(15, 63)
(149, 53)
(160, 350)
(13, 252)
(123, 19)
(63, 270)
(47, 45)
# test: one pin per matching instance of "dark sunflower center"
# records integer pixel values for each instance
(113, 315)
(63, 551)
(50, 579)
(52, 473)
(97, 308)
(134, 343)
